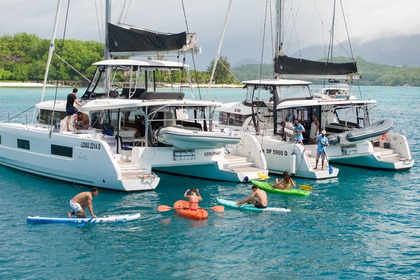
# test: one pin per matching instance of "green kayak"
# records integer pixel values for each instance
(268, 188)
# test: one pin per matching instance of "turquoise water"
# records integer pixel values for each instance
(362, 225)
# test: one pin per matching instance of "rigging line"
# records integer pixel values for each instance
(219, 49)
(69, 65)
(99, 22)
(347, 30)
(192, 54)
(59, 66)
(263, 41)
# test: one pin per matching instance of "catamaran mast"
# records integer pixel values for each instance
(107, 55)
(279, 28)
(51, 51)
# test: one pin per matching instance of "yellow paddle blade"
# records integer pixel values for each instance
(305, 187)
(164, 208)
(262, 176)
(218, 208)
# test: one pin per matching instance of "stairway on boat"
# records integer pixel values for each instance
(238, 163)
(387, 155)
(133, 171)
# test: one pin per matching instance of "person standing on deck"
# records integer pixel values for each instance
(322, 141)
(299, 130)
(314, 132)
(70, 109)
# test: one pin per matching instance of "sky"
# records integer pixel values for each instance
(247, 32)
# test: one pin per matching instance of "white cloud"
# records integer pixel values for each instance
(369, 19)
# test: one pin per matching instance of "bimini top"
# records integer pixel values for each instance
(317, 102)
(133, 61)
(276, 82)
(125, 104)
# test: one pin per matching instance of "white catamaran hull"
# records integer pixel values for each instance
(235, 163)
(287, 156)
(76, 158)
(389, 152)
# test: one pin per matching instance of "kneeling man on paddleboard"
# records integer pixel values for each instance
(258, 198)
(81, 201)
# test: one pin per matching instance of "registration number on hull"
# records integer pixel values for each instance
(90, 145)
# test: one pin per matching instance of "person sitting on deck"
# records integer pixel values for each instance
(194, 197)
(82, 121)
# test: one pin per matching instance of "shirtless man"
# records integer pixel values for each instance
(82, 121)
(81, 201)
(258, 198)
(194, 197)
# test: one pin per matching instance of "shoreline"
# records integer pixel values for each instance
(40, 85)
(22, 85)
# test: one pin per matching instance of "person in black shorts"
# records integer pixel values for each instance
(70, 109)
(258, 198)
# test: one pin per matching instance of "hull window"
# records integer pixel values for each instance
(61, 151)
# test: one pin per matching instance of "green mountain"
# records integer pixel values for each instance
(373, 74)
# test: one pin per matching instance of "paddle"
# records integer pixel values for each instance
(305, 187)
(217, 208)
(330, 170)
(88, 221)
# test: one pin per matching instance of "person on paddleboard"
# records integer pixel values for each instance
(194, 198)
(258, 198)
(81, 201)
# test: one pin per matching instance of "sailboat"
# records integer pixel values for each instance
(129, 123)
(354, 139)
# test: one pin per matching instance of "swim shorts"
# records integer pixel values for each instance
(259, 205)
(75, 206)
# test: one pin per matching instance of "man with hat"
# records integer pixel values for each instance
(258, 198)
(322, 141)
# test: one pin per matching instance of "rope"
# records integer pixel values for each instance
(59, 67)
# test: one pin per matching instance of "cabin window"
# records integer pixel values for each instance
(44, 116)
(23, 144)
(0, 139)
(61, 151)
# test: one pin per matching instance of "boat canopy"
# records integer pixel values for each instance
(276, 82)
(136, 62)
(289, 67)
(127, 40)
(115, 104)
(321, 102)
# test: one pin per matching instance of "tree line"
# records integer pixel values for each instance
(23, 58)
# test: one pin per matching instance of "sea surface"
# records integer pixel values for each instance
(365, 224)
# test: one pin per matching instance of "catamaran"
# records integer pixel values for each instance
(129, 124)
(354, 138)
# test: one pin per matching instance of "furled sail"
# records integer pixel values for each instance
(126, 40)
(289, 67)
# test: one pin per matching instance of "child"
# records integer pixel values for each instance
(193, 197)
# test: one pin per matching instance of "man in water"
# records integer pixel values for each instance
(81, 201)
(258, 198)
